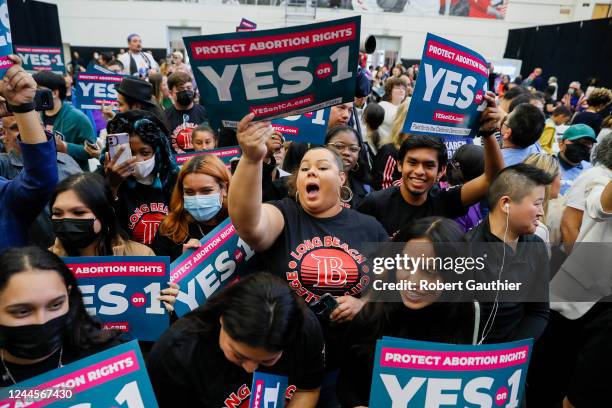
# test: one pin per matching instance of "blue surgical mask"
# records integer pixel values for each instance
(203, 207)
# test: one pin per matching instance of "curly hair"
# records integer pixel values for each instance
(152, 132)
(600, 97)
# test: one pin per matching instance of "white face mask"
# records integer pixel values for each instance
(142, 171)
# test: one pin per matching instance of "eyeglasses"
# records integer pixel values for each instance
(341, 147)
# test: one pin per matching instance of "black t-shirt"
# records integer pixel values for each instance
(49, 121)
(189, 369)
(22, 372)
(164, 246)
(592, 119)
(440, 322)
(392, 211)
(323, 255)
(141, 210)
(182, 123)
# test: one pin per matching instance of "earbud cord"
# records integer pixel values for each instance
(486, 330)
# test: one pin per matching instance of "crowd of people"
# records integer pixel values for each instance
(539, 172)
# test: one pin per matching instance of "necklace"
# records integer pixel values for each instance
(59, 364)
(200, 228)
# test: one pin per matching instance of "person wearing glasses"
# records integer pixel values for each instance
(344, 141)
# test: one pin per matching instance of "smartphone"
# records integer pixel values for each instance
(114, 142)
(92, 145)
(325, 305)
(43, 100)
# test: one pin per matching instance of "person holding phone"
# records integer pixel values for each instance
(64, 118)
(309, 239)
(141, 185)
(24, 197)
(197, 206)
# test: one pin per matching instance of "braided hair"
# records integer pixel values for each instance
(153, 132)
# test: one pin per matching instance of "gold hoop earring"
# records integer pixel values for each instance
(345, 189)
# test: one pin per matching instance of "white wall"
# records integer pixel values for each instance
(107, 23)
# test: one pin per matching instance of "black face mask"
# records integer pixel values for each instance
(36, 340)
(184, 98)
(75, 233)
(575, 153)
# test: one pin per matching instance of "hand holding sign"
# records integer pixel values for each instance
(18, 87)
(252, 137)
(275, 73)
(191, 244)
(108, 112)
(168, 296)
(492, 116)
(274, 143)
(448, 97)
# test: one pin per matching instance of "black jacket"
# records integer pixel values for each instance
(520, 315)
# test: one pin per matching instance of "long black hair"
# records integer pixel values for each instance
(153, 132)
(95, 193)
(444, 321)
(260, 311)
(83, 332)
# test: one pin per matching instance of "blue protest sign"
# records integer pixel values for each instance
(308, 128)
(268, 390)
(6, 41)
(275, 73)
(36, 59)
(222, 256)
(455, 142)
(226, 154)
(94, 89)
(422, 374)
(116, 377)
(449, 94)
(122, 292)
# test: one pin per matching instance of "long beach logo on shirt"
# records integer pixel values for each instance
(145, 220)
(326, 265)
(181, 136)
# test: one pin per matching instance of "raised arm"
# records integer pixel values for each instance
(257, 224)
(475, 190)
(30, 190)
(18, 88)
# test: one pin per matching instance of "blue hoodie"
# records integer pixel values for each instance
(24, 197)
